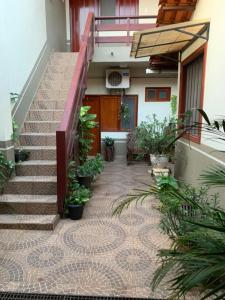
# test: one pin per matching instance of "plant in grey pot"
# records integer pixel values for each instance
(109, 148)
(20, 154)
(76, 201)
(6, 170)
(154, 136)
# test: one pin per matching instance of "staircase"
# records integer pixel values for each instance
(29, 200)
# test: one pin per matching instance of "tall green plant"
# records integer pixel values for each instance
(86, 124)
(155, 136)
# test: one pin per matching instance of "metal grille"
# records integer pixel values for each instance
(115, 78)
(22, 296)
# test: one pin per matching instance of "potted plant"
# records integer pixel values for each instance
(109, 148)
(154, 137)
(20, 154)
(85, 174)
(96, 164)
(76, 202)
(6, 170)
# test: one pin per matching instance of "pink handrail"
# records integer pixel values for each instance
(66, 132)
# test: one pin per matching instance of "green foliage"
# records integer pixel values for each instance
(15, 134)
(125, 112)
(215, 176)
(155, 136)
(109, 141)
(73, 184)
(79, 196)
(173, 105)
(6, 170)
(86, 123)
(14, 97)
(91, 167)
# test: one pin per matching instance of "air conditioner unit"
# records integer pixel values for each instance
(117, 78)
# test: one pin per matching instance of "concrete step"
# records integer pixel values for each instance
(63, 58)
(31, 185)
(56, 84)
(45, 115)
(40, 126)
(55, 95)
(37, 139)
(41, 152)
(28, 204)
(36, 168)
(28, 222)
(49, 105)
(60, 69)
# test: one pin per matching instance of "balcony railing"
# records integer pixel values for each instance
(127, 24)
(66, 133)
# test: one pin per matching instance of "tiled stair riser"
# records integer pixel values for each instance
(28, 208)
(41, 127)
(40, 153)
(43, 187)
(36, 170)
(38, 140)
(49, 105)
(45, 115)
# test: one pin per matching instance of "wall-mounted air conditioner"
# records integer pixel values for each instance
(117, 78)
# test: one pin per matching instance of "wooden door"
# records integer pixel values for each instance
(79, 10)
(127, 8)
(94, 103)
(110, 109)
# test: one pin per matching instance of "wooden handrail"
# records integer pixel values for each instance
(65, 134)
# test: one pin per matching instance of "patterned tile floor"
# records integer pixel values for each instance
(98, 255)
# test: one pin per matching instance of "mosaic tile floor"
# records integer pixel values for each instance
(98, 255)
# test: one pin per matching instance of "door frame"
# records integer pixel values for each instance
(136, 106)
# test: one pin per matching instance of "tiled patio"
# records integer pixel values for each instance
(99, 255)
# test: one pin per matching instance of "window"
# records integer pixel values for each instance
(107, 8)
(157, 94)
(192, 86)
(117, 114)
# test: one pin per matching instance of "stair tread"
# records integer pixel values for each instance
(39, 133)
(37, 162)
(37, 148)
(27, 219)
(42, 122)
(17, 198)
(46, 110)
(34, 179)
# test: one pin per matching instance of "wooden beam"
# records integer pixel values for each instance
(124, 27)
(179, 7)
(113, 39)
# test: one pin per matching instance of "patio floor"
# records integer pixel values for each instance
(98, 255)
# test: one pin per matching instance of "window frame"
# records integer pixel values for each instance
(157, 92)
(200, 51)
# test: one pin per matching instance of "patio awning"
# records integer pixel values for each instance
(168, 39)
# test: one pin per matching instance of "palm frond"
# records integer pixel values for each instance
(215, 176)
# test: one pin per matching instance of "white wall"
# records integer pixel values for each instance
(96, 86)
(214, 94)
(23, 35)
